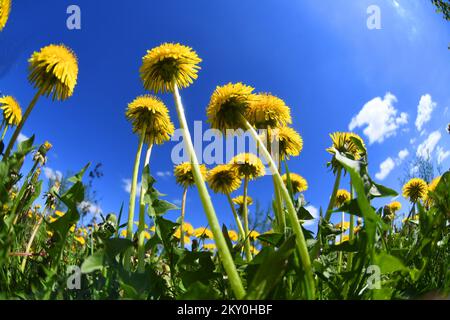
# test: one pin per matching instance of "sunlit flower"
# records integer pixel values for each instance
(227, 106)
(223, 179)
(12, 113)
(124, 233)
(149, 112)
(357, 229)
(209, 246)
(415, 189)
(184, 175)
(203, 233)
(54, 71)
(80, 240)
(169, 63)
(72, 228)
(266, 110)
(5, 8)
(290, 143)
(339, 225)
(52, 219)
(50, 233)
(395, 206)
(248, 165)
(188, 230)
(253, 250)
(342, 196)
(347, 143)
(239, 200)
(233, 235)
(253, 235)
(59, 213)
(299, 184)
(431, 188)
(343, 239)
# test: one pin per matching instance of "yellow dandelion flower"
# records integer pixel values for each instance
(253, 235)
(203, 233)
(72, 228)
(414, 218)
(253, 250)
(266, 110)
(30, 214)
(123, 233)
(167, 64)
(50, 233)
(248, 165)
(52, 219)
(415, 189)
(152, 229)
(80, 240)
(343, 239)
(233, 235)
(339, 225)
(299, 184)
(146, 235)
(342, 196)
(209, 246)
(344, 142)
(12, 113)
(357, 229)
(433, 184)
(150, 112)
(223, 179)
(394, 206)
(54, 71)
(290, 143)
(239, 200)
(188, 229)
(5, 9)
(184, 175)
(59, 213)
(227, 106)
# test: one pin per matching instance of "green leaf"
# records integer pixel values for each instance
(272, 238)
(94, 262)
(79, 176)
(116, 246)
(389, 263)
(162, 206)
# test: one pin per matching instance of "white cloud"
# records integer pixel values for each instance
(21, 138)
(426, 148)
(126, 185)
(163, 174)
(385, 168)
(51, 174)
(379, 117)
(442, 154)
(314, 212)
(424, 111)
(403, 154)
(89, 207)
(176, 202)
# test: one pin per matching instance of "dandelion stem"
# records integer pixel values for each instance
(224, 253)
(132, 203)
(337, 181)
(248, 252)
(141, 224)
(21, 124)
(30, 243)
(4, 132)
(341, 238)
(292, 215)
(183, 211)
(236, 217)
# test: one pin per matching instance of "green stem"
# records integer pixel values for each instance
(248, 252)
(4, 132)
(236, 217)
(342, 238)
(183, 212)
(279, 213)
(337, 182)
(222, 248)
(30, 243)
(21, 124)
(141, 224)
(292, 215)
(132, 203)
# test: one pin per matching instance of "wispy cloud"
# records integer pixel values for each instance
(389, 164)
(424, 111)
(379, 117)
(51, 174)
(163, 174)
(21, 138)
(426, 148)
(442, 154)
(89, 207)
(126, 186)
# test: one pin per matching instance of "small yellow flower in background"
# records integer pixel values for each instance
(299, 184)
(415, 189)
(203, 233)
(357, 229)
(50, 233)
(339, 225)
(12, 113)
(184, 175)
(150, 112)
(253, 235)
(266, 110)
(72, 228)
(228, 104)
(59, 213)
(5, 9)
(233, 235)
(52, 219)
(80, 240)
(223, 179)
(342, 196)
(54, 71)
(209, 246)
(395, 206)
(30, 214)
(248, 165)
(239, 200)
(152, 229)
(414, 218)
(188, 229)
(343, 239)
(290, 143)
(344, 143)
(169, 63)
(431, 188)
(123, 233)
(253, 250)
(146, 235)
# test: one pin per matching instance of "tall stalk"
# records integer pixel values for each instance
(292, 215)
(141, 224)
(132, 203)
(342, 238)
(248, 252)
(183, 212)
(21, 124)
(222, 248)
(236, 217)
(337, 182)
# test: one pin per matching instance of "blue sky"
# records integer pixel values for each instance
(319, 56)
